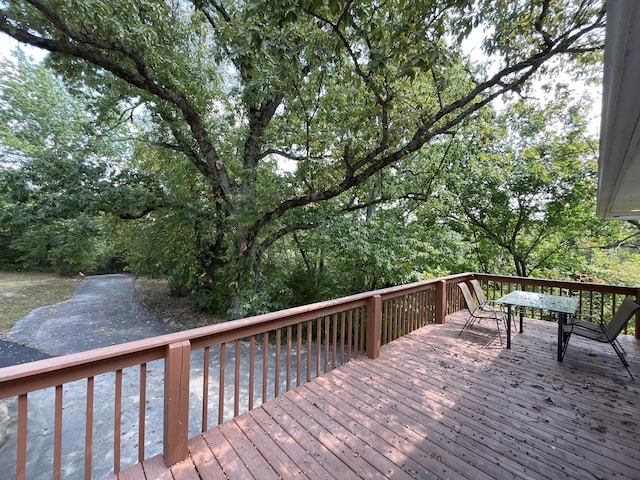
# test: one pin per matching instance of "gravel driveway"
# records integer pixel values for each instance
(103, 311)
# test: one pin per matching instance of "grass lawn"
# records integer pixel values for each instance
(22, 292)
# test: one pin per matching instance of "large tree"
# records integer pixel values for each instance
(343, 90)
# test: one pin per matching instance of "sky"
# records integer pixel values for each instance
(7, 44)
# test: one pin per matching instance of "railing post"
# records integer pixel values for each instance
(441, 301)
(374, 326)
(176, 402)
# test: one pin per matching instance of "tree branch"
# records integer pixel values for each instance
(96, 51)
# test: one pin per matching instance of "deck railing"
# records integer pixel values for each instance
(595, 299)
(132, 401)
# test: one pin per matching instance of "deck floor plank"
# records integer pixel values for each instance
(132, 473)
(265, 445)
(426, 455)
(307, 441)
(204, 461)
(437, 404)
(489, 437)
(550, 409)
(307, 462)
(185, 471)
(473, 447)
(329, 434)
(154, 467)
(231, 463)
(247, 451)
(371, 448)
(544, 405)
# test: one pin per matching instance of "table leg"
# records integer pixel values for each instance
(562, 319)
(508, 326)
(521, 316)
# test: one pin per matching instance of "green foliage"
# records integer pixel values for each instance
(63, 246)
(61, 174)
(526, 183)
(358, 100)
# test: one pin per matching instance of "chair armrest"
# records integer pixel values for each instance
(586, 318)
(596, 324)
(494, 304)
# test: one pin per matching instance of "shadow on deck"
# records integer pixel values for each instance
(439, 405)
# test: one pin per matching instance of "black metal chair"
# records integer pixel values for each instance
(602, 332)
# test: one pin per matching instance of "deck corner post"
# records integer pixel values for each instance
(441, 301)
(176, 402)
(374, 326)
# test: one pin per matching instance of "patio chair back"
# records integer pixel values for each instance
(478, 291)
(468, 298)
(621, 317)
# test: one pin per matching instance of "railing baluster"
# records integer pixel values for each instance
(276, 380)
(298, 354)
(334, 349)
(396, 320)
(414, 312)
(117, 421)
(236, 381)
(21, 458)
(265, 365)
(343, 320)
(349, 333)
(363, 331)
(326, 324)
(288, 386)
(309, 334)
(387, 320)
(88, 432)
(141, 411)
(57, 435)
(318, 344)
(356, 332)
(252, 368)
(221, 395)
(206, 359)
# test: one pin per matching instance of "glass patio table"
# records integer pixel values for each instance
(562, 305)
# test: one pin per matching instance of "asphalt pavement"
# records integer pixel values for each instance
(103, 311)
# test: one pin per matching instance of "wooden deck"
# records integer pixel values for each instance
(439, 405)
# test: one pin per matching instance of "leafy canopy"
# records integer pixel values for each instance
(343, 90)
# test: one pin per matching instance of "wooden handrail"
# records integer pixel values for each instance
(323, 335)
